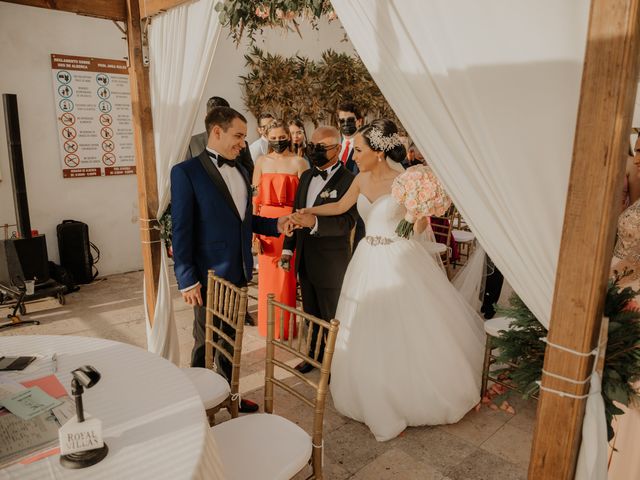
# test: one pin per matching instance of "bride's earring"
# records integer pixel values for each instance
(379, 159)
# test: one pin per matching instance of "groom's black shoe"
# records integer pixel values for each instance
(247, 406)
(304, 367)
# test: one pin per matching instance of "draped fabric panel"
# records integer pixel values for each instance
(182, 42)
(489, 92)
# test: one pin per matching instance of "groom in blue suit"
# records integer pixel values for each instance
(213, 222)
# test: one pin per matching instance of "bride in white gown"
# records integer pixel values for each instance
(409, 349)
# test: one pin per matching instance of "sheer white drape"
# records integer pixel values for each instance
(182, 42)
(489, 92)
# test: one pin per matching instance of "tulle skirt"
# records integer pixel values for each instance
(410, 349)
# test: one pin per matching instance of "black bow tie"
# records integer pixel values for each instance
(222, 161)
(323, 173)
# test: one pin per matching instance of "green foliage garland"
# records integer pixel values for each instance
(522, 349)
(252, 16)
(292, 87)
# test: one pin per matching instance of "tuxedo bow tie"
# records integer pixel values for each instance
(323, 173)
(220, 161)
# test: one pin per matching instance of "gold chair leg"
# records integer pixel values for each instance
(485, 366)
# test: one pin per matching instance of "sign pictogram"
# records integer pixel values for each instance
(102, 79)
(108, 159)
(106, 132)
(108, 146)
(105, 119)
(69, 133)
(68, 119)
(63, 76)
(104, 106)
(70, 146)
(66, 105)
(72, 160)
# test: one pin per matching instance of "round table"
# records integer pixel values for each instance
(152, 417)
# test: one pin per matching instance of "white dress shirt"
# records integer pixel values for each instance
(258, 148)
(316, 186)
(237, 187)
(235, 183)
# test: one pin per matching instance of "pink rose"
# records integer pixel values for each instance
(262, 12)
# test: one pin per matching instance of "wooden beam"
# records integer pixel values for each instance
(109, 9)
(149, 8)
(600, 150)
(145, 156)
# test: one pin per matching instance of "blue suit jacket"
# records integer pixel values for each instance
(207, 230)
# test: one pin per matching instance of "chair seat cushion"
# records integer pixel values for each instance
(493, 326)
(463, 236)
(262, 445)
(212, 387)
(434, 247)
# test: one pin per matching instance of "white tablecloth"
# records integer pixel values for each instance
(152, 418)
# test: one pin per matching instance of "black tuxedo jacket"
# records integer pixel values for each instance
(324, 256)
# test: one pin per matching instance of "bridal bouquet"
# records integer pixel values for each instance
(419, 191)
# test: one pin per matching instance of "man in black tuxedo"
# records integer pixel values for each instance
(349, 120)
(322, 246)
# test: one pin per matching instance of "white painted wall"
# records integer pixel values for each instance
(107, 204)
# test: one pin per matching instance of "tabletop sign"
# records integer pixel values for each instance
(77, 437)
(93, 116)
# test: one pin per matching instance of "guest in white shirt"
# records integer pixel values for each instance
(261, 145)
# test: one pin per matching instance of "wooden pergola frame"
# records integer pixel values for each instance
(604, 119)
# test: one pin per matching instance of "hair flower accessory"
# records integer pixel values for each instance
(382, 142)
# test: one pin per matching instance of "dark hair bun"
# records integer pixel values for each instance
(371, 133)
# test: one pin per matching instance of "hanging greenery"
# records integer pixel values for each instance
(252, 16)
(521, 347)
(292, 87)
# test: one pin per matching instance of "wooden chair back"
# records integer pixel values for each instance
(441, 227)
(299, 348)
(226, 304)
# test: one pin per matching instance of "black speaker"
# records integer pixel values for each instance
(75, 250)
(16, 164)
(24, 259)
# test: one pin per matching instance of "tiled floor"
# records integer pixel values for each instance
(487, 444)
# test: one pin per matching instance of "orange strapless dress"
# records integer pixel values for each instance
(276, 194)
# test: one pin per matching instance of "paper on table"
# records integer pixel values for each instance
(21, 437)
(29, 403)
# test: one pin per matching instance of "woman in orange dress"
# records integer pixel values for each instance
(275, 179)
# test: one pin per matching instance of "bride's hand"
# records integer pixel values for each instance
(303, 210)
(421, 225)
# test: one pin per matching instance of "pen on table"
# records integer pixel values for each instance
(54, 358)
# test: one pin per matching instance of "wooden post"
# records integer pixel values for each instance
(145, 157)
(600, 150)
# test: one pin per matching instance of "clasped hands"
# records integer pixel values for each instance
(298, 219)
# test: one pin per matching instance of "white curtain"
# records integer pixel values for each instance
(182, 42)
(489, 92)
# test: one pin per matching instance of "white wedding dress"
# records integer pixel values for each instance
(410, 349)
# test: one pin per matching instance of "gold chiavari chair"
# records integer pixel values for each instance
(462, 234)
(441, 227)
(226, 308)
(279, 448)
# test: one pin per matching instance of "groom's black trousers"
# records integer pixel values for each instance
(319, 302)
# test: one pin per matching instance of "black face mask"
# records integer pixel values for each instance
(280, 146)
(318, 158)
(348, 126)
